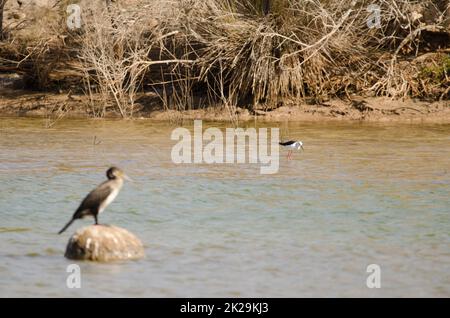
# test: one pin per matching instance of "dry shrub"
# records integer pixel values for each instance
(39, 48)
(116, 52)
(234, 53)
(306, 48)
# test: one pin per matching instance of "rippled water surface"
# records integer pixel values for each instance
(358, 195)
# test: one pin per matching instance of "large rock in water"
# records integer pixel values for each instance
(104, 243)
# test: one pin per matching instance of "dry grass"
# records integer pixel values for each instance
(306, 48)
(234, 53)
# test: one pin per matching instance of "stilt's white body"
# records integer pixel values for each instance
(292, 145)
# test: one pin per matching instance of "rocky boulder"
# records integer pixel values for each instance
(104, 243)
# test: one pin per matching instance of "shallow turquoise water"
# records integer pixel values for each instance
(359, 194)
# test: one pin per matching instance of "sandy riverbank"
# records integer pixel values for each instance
(378, 109)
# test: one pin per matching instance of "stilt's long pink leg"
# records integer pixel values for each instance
(289, 156)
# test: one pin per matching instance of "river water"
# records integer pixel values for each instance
(359, 194)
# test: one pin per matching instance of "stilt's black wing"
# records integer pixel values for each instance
(287, 143)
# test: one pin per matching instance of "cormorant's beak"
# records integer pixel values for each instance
(127, 177)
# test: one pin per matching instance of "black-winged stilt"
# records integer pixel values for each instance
(292, 145)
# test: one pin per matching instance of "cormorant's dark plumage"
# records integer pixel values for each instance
(99, 198)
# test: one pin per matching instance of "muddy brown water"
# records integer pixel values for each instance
(359, 194)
